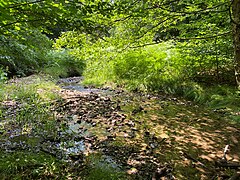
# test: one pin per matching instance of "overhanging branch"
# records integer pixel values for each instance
(155, 26)
(23, 4)
(203, 37)
(22, 21)
(192, 12)
(184, 39)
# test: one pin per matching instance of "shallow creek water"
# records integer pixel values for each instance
(74, 83)
(144, 135)
(74, 139)
(78, 129)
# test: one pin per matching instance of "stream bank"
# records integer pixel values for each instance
(132, 135)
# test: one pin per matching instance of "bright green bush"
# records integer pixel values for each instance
(62, 64)
(148, 67)
(145, 68)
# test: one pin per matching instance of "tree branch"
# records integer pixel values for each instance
(230, 15)
(22, 21)
(184, 39)
(204, 37)
(158, 24)
(185, 12)
(23, 4)
(122, 19)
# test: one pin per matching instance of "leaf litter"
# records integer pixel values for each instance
(147, 136)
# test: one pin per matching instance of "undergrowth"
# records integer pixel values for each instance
(30, 165)
(26, 54)
(62, 64)
(27, 106)
(172, 68)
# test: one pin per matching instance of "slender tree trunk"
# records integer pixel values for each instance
(236, 38)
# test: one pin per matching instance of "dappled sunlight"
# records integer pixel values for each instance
(180, 60)
(147, 133)
(144, 135)
(201, 136)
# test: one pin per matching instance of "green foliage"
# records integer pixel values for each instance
(187, 89)
(223, 96)
(209, 61)
(29, 165)
(63, 64)
(112, 61)
(99, 168)
(86, 16)
(3, 75)
(124, 24)
(23, 54)
(148, 67)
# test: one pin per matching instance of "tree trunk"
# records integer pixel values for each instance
(236, 38)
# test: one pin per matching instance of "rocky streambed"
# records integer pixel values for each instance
(140, 135)
(100, 121)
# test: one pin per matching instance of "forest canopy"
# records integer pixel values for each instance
(204, 33)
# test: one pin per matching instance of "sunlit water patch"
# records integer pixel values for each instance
(73, 147)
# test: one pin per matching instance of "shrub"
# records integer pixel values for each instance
(148, 68)
(25, 53)
(63, 64)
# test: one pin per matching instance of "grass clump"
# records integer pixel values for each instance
(32, 88)
(221, 99)
(99, 167)
(30, 165)
(26, 106)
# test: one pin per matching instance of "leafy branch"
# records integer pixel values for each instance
(23, 4)
(185, 12)
(185, 39)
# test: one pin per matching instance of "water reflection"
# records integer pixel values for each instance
(72, 147)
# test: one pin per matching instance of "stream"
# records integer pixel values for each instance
(76, 135)
(79, 136)
(108, 131)
(99, 125)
